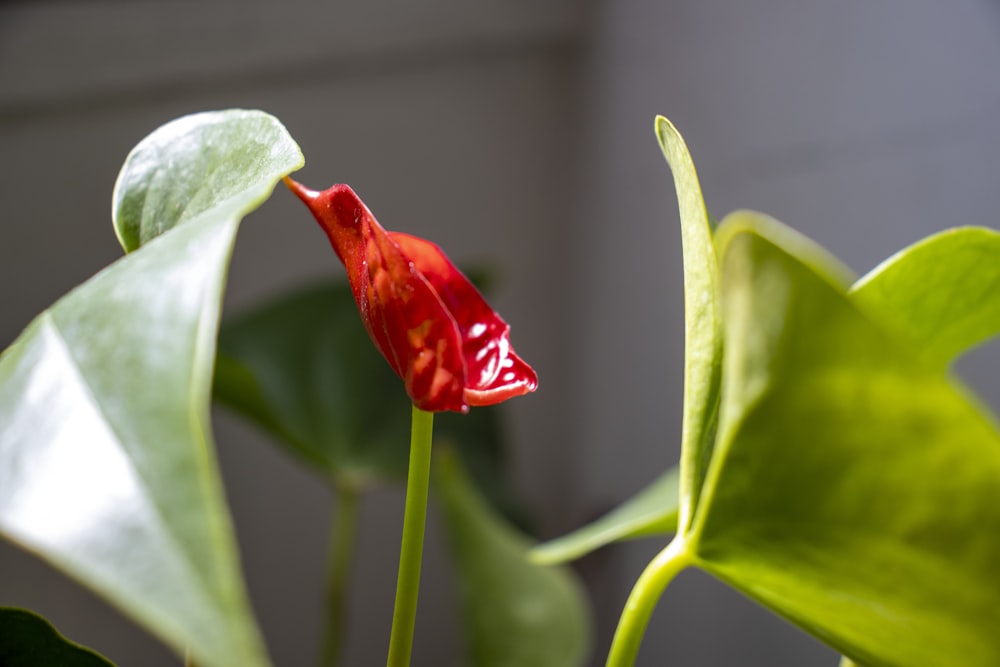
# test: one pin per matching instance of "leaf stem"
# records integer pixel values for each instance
(340, 562)
(414, 517)
(642, 601)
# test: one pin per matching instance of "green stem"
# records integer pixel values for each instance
(340, 562)
(641, 602)
(408, 584)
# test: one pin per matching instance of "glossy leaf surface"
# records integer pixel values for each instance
(702, 324)
(855, 489)
(652, 511)
(517, 613)
(107, 468)
(28, 640)
(941, 292)
(236, 156)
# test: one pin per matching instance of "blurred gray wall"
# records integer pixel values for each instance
(517, 131)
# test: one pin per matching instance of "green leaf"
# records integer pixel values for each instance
(107, 466)
(517, 613)
(303, 368)
(236, 158)
(941, 292)
(478, 439)
(28, 640)
(652, 511)
(855, 489)
(702, 324)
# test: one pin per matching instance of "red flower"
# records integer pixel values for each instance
(429, 322)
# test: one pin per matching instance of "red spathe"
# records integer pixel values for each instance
(430, 323)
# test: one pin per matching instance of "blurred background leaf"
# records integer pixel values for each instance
(303, 368)
(652, 511)
(516, 613)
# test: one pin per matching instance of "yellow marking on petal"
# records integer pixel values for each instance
(443, 379)
(417, 336)
(425, 359)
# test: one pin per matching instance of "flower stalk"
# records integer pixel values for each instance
(411, 551)
(642, 601)
(340, 563)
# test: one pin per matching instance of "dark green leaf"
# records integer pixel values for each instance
(702, 324)
(28, 640)
(478, 438)
(107, 467)
(855, 489)
(941, 292)
(303, 368)
(652, 511)
(517, 613)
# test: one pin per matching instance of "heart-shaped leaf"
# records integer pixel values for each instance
(107, 467)
(941, 292)
(28, 640)
(652, 511)
(854, 489)
(702, 324)
(517, 613)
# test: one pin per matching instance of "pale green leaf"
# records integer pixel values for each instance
(652, 511)
(702, 324)
(855, 489)
(517, 613)
(233, 159)
(941, 292)
(107, 467)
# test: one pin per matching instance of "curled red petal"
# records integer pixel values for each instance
(405, 318)
(514, 379)
(493, 372)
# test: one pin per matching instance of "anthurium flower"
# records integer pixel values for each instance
(429, 322)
